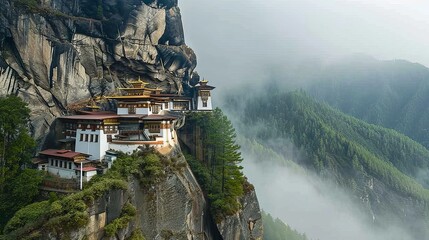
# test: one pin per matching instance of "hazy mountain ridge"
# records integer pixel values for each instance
(370, 161)
(392, 94)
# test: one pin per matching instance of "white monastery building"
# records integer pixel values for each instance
(144, 117)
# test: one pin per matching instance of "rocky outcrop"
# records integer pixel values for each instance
(246, 224)
(174, 208)
(59, 52)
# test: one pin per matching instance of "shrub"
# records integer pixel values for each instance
(28, 214)
(136, 235)
(127, 214)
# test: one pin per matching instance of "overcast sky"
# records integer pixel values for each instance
(248, 41)
(240, 39)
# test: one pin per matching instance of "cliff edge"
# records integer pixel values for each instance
(55, 53)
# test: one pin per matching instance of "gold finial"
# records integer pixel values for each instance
(203, 82)
(138, 83)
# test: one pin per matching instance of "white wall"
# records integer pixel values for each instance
(143, 111)
(124, 147)
(63, 172)
(89, 175)
(200, 104)
(122, 111)
(97, 150)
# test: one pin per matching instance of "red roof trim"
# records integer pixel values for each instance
(61, 153)
(90, 117)
(87, 169)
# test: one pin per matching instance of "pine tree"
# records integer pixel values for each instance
(17, 187)
(222, 158)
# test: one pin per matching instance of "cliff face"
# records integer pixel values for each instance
(174, 208)
(60, 52)
(246, 224)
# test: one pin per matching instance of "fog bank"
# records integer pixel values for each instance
(241, 41)
(312, 205)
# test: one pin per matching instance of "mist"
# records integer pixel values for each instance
(311, 205)
(245, 41)
(242, 45)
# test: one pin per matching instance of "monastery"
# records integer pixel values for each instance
(144, 117)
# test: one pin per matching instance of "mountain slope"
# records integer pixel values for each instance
(377, 165)
(275, 229)
(393, 94)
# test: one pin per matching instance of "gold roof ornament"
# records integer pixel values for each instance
(204, 86)
(138, 83)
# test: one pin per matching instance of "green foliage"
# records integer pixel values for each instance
(275, 229)
(219, 172)
(66, 214)
(151, 170)
(30, 213)
(26, 186)
(337, 144)
(393, 94)
(147, 166)
(20, 192)
(127, 214)
(100, 9)
(17, 187)
(16, 146)
(60, 216)
(136, 235)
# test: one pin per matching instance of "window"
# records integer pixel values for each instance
(61, 164)
(70, 165)
(156, 109)
(92, 138)
(52, 162)
(204, 104)
(154, 128)
(81, 137)
(86, 137)
(131, 109)
(96, 138)
(181, 106)
(71, 126)
(56, 163)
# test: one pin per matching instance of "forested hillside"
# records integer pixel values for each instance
(393, 94)
(275, 229)
(377, 165)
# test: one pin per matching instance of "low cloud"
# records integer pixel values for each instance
(312, 205)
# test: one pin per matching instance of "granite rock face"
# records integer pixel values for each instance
(246, 224)
(57, 54)
(174, 208)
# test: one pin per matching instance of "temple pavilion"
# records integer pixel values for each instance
(144, 117)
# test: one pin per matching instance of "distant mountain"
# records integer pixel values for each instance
(380, 167)
(393, 94)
